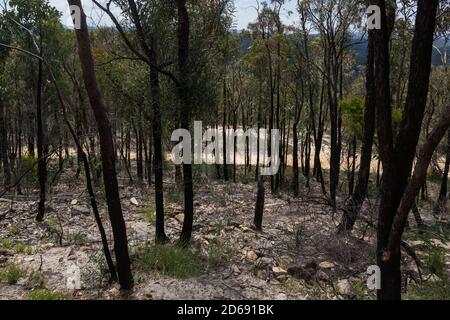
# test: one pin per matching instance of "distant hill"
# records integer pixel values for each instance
(360, 49)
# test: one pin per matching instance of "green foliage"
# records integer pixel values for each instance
(12, 274)
(78, 238)
(42, 294)
(14, 229)
(436, 264)
(298, 233)
(353, 112)
(439, 290)
(218, 254)
(170, 260)
(175, 196)
(6, 243)
(150, 213)
(397, 115)
(28, 165)
(22, 248)
(36, 280)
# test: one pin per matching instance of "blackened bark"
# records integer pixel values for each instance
(224, 133)
(398, 160)
(42, 161)
(441, 206)
(354, 204)
(4, 148)
(185, 113)
(419, 176)
(107, 153)
(259, 209)
(161, 236)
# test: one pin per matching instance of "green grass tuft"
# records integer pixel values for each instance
(12, 274)
(42, 294)
(170, 260)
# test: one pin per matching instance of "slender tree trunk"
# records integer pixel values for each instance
(441, 206)
(398, 160)
(107, 153)
(4, 148)
(354, 204)
(42, 161)
(185, 109)
(259, 209)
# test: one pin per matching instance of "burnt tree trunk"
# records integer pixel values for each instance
(354, 204)
(398, 159)
(441, 206)
(42, 161)
(107, 153)
(4, 148)
(185, 113)
(259, 209)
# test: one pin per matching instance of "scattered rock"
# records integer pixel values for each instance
(322, 276)
(236, 270)
(6, 252)
(277, 271)
(81, 210)
(326, 265)
(180, 218)
(251, 255)
(344, 287)
(74, 202)
(265, 262)
(307, 272)
(134, 202)
(281, 296)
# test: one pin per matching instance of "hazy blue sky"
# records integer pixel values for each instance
(245, 12)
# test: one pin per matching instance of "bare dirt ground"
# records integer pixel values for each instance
(297, 256)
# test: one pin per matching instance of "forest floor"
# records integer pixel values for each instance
(297, 256)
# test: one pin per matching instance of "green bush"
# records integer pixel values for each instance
(36, 280)
(218, 254)
(28, 164)
(40, 294)
(12, 274)
(170, 260)
(439, 290)
(436, 264)
(150, 213)
(6, 243)
(22, 248)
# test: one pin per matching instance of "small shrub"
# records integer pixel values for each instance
(41, 294)
(429, 290)
(175, 196)
(28, 164)
(6, 243)
(12, 274)
(436, 264)
(36, 280)
(218, 254)
(14, 229)
(170, 260)
(78, 238)
(150, 213)
(22, 248)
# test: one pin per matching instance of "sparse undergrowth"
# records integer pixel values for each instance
(439, 290)
(170, 260)
(12, 274)
(42, 294)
